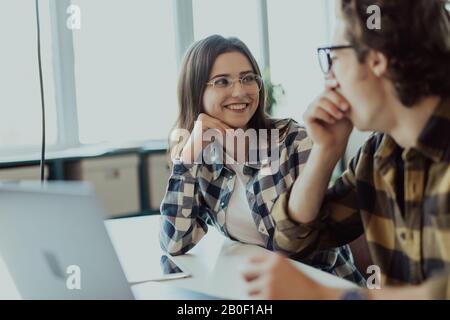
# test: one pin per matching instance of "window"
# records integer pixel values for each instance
(228, 18)
(20, 99)
(126, 64)
(125, 70)
(295, 31)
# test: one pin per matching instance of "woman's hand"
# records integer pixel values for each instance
(195, 143)
(326, 121)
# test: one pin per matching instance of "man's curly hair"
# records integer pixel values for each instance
(414, 36)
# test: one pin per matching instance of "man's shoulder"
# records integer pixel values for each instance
(373, 143)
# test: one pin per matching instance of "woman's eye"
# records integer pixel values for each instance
(249, 78)
(222, 82)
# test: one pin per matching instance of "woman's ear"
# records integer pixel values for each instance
(378, 63)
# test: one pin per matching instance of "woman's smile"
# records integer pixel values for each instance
(237, 107)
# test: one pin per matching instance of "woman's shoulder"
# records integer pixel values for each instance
(291, 133)
(286, 123)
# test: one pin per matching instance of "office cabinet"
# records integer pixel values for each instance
(158, 175)
(21, 173)
(130, 180)
(116, 182)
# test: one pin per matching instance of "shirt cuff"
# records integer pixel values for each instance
(286, 224)
(439, 286)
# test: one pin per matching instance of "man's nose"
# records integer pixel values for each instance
(331, 80)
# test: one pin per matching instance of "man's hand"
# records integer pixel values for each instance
(328, 126)
(326, 120)
(273, 277)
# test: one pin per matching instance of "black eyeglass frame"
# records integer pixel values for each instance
(327, 50)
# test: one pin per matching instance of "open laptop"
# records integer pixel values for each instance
(55, 245)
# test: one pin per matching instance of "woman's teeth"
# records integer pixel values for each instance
(240, 106)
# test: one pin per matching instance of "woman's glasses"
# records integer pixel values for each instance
(325, 59)
(250, 82)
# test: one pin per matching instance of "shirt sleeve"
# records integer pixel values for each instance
(439, 286)
(338, 222)
(183, 212)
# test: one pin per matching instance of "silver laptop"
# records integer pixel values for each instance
(54, 242)
(55, 245)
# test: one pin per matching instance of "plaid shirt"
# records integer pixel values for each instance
(407, 229)
(198, 194)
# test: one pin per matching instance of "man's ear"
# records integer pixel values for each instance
(378, 63)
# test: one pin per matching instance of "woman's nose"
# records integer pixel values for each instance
(237, 90)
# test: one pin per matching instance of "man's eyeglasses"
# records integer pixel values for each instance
(325, 59)
(250, 82)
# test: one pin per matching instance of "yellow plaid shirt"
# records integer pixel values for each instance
(408, 228)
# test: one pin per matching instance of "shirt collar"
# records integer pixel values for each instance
(433, 142)
(249, 166)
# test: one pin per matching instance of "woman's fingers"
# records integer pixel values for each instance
(209, 122)
(223, 127)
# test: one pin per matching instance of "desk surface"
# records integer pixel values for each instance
(214, 263)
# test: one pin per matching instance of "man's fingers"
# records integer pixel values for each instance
(252, 272)
(256, 288)
(331, 108)
(259, 258)
(338, 100)
(256, 267)
(322, 115)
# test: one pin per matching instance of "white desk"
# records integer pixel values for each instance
(214, 262)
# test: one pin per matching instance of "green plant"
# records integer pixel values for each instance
(275, 92)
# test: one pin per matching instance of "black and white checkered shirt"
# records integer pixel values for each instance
(199, 194)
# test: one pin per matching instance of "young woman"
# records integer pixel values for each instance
(220, 88)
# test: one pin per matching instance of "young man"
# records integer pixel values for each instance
(396, 190)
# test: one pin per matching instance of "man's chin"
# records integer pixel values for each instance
(362, 127)
(359, 124)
